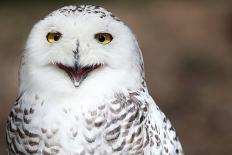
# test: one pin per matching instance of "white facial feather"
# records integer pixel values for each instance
(120, 59)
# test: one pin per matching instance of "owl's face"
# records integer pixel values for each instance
(74, 43)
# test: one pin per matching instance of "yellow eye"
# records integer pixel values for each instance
(104, 38)
(52, 37)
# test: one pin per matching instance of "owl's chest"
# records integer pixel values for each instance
(116, 126)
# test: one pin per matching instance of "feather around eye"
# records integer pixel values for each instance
(52, 37)
(103, 38)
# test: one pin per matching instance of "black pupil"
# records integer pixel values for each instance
(101, 38)
(56, 36)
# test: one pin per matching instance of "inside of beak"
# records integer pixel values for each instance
(77, 73)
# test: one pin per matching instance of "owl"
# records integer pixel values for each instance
(82, 91)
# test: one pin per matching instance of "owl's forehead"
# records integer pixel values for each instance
(84, 10)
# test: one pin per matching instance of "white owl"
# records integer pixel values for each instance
(82, 91)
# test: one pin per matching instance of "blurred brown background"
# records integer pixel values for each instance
(187, 48)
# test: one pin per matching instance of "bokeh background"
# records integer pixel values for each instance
(187, 48)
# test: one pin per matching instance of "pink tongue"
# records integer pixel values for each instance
(74, 73)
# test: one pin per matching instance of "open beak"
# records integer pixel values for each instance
(77, 73)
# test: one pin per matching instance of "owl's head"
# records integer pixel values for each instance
(80, 46)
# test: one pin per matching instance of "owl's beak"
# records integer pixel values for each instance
(77, 73)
